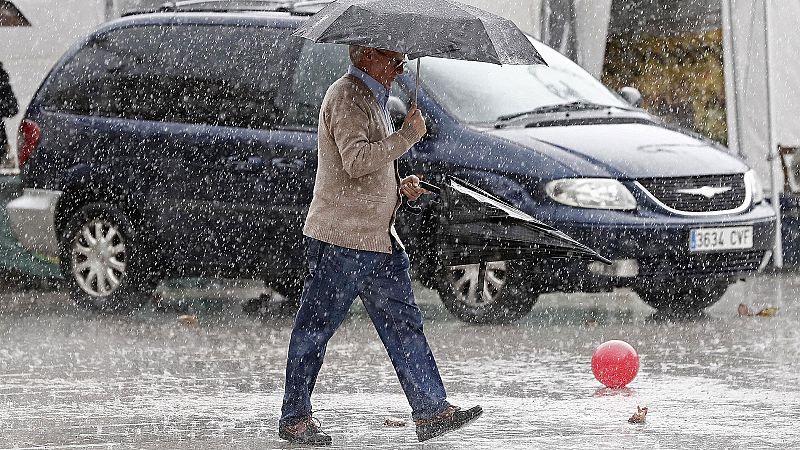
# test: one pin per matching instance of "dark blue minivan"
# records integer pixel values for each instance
(183, 143)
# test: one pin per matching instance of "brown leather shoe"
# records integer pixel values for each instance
(450, 419)
(304, 432)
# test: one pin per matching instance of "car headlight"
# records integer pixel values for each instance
(597, 193)
(751, 178)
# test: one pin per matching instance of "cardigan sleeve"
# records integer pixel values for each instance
(348, 123)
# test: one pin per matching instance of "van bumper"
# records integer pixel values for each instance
(657, 252)
(32, 220)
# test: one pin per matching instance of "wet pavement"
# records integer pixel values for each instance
(75, 379)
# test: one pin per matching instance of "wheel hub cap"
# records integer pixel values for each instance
(99, 258)
(464, 280)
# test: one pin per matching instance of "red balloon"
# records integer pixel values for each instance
(615, 363)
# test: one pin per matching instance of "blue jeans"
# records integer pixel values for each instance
(336, 276)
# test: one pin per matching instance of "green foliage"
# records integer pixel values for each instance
(681, 77)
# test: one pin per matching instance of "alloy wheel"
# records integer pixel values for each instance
(99, 258)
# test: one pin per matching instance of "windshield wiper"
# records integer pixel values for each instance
(572, 106)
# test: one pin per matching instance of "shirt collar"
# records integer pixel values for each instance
(380, 92)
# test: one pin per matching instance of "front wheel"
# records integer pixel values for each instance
(104, 261)
(504, 297)
(681, 297)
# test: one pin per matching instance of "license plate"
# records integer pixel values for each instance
(728, 238)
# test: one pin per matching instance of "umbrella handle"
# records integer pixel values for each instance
(430, 187)
(411, 204)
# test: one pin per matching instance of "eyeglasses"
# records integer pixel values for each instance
(398, 62)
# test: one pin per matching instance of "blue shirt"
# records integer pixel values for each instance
(380, 92)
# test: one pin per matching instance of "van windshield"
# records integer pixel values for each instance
(476, 92)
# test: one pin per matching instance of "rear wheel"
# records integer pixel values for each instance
(504, 297)
(104, 260)
(682, 297)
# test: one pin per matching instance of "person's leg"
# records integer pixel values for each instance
(389, 300)
(329, 290)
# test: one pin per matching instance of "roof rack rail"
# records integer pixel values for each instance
(225, 5)
(309, 7)
(302, 7)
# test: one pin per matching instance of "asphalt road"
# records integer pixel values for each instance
(70, 378)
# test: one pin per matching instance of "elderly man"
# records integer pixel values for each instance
(354, 250)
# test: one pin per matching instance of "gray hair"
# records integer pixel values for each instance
(356, 54)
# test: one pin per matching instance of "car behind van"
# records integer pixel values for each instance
(183, 143)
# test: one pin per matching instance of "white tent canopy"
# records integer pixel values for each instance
(762, 85)
(750, 72)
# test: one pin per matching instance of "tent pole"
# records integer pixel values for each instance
(772, 155)
(731, 80)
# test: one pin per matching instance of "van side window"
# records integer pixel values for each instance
(318, 67)
(112, 76)
(198, 74)
(224, 75)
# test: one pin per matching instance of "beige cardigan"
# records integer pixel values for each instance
(356, 191)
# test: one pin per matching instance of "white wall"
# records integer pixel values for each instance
(28, 53)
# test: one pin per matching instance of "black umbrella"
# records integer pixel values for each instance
(441, 28)
(477, 227)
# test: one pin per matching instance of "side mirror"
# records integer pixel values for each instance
(631, 95)
(397, 111)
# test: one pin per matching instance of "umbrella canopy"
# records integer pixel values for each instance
(477, 227)
(441, 28)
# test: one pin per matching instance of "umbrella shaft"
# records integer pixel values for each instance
(416, 85)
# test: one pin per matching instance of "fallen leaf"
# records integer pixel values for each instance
(744, 310)
(639, 415)
(768, 312)
(188, 320)
(394, 422)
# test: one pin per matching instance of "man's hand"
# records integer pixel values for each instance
(415, 120)
(409, 186)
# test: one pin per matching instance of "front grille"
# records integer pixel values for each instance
(665, 190)
(698, 265)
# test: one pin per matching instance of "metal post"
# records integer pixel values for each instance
(772, 156)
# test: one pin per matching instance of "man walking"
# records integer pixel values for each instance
(354, 250)
(8, 108)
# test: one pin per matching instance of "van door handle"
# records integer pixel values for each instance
(288, 164)
(253, 164)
